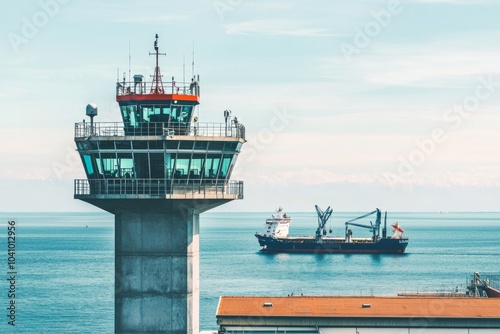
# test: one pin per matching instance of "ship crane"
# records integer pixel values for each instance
(323, 217)
(373, 228)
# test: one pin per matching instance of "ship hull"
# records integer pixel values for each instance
(492, 292)
(332, 245)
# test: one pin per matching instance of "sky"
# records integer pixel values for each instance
(350, 104)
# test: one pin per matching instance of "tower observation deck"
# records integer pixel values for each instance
(156, 172)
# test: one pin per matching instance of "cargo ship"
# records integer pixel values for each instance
(275, 237)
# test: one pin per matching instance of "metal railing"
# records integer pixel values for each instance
(156, 188)
(166, 129)
(124, 88)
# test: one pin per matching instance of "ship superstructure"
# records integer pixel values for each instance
(277, 226)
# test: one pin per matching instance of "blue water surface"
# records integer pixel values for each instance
(65, 282)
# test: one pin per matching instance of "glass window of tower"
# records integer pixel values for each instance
(147, 111)
(225, 165)
(123, 145)
(169, 165)
(109, 165)
(186, 145)
(212, 165)
(200, 145)
(125, 114)
(140, 145)
(196, 165)
(185, 113)
(107, 145)
(215, 146)
(172, 145)
(141, 165)
(129, 115)
(88, 164)
(157, 167)
(134, 116)
(99, 166)
(181, 113)
(155, 145)
(230, 146)
(166, 113)
(182, 165)
(125, 164)
(175, 114)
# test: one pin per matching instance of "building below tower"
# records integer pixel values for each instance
(358, 315)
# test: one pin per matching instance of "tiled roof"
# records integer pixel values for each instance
(307, 306)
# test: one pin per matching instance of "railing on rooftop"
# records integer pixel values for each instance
(166, 129)
(125, 88)
(156, 188)
(486, 278)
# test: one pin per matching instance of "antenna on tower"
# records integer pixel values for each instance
(157, 85)
(129, 61)
(192, 64)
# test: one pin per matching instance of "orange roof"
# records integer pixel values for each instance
(306, 306)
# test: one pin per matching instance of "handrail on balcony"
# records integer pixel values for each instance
(110, 129)
(140, 87)
(157, 188)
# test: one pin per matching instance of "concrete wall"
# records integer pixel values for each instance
(157, 271)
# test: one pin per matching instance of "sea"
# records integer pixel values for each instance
(64, 263)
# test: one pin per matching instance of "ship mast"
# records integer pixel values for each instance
(157, 85)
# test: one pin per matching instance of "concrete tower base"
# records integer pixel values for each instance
(156, 271)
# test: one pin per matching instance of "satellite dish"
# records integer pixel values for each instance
(91, 109)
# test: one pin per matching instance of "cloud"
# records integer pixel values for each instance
(475, 176)
(313, 176)
(275, 27)
(432, 64)
(438, 68)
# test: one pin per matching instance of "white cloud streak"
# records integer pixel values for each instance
(276, 27)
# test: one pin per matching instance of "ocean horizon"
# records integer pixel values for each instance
(64, 263)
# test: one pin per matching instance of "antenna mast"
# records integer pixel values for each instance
(192, 64)
(129, 61)
(157, 86)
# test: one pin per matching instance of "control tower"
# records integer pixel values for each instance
(156, 172)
